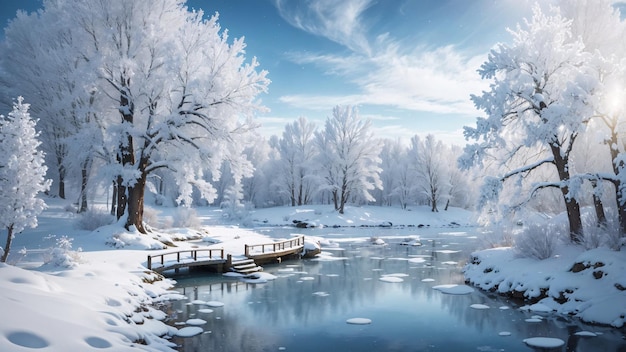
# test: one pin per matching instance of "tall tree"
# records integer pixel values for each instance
(430, 170)
(39, 63)
(297, 150)
(179, 96)
(348, 157)
(599, 25)
(539, 94)
(22, 173)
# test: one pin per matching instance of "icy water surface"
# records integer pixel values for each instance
(390, 286)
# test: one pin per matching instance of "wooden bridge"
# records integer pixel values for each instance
(185, 259)
(210, 257)
(269, 251)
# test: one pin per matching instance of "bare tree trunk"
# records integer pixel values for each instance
(121, 199)
(598, 206)
(617, 166)
(571, 204)
(335, 199)
(114, 200)
(135, 204)
(83, 190)
(61, 181)
(5, 255)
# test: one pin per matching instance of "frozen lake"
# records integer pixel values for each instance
(306, 308)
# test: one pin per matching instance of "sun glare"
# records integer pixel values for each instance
(615, 99)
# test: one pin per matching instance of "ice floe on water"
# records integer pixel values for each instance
(447, 251)
(321, 294)
(307, 278)
(395, 277)
(449, 262)
(586, 333)
(479, 306)
(417, 260)
(453, 289)
(504, 333)
(189, 331)
(258, 278)
(428, 280)
(205, 310)
(214, 304)
(533, 320)
(195, 322)
(359, 321)
(537, 307)
(392, 279)
(544, 342)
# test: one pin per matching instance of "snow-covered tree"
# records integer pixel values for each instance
(430, 169)
(600, 27)
(539, 98)
(394, 174)
(39, 61)
(348, 157)
(297, 150)
(22, 173)
(179, 96)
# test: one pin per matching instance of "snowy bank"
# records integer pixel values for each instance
(589, 284)
(86, 308)
(365, 216)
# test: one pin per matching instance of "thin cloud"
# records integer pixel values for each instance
(339, 21)
(437, 81)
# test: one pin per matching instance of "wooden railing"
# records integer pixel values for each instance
(193, 255)
(275, 246)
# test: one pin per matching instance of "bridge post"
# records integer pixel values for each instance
(149, 262)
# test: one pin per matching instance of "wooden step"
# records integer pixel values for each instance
(250, 270)
(242, 262)
(244, 266)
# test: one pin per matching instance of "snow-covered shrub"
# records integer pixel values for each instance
(186, 217)
(498, 236)
(607, 235)
(93, 219)
(62, 254)
(70, 208)
(537, 241)
(151, 216)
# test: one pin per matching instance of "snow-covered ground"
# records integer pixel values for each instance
(102, 296)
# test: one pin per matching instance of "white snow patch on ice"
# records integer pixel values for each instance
(392, 279)
(359, 321)
(479, 306)
(544, 342)
(195, 322)
(189, 331)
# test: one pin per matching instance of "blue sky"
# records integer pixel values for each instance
(409, 65)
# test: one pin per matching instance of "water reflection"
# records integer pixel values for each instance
(306, 307)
